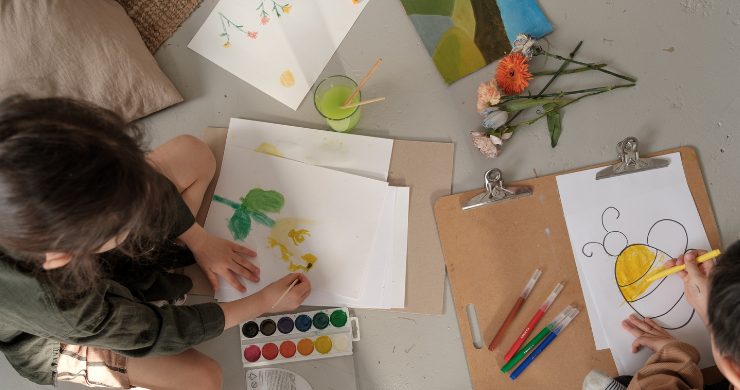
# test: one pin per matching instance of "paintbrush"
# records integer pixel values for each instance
(361, 103)
(291, 286)
(673, 270)
(352, 96)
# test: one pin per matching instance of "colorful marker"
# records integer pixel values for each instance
(544, 344)
(522, 337)
(536, 340)
(514, 310)
(673, 270)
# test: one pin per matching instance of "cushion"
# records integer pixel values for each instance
(158, 20)
(83, 49)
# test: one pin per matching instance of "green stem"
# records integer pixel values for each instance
(228, 202)
(559, 94)
(584, 69)
(590, 65)
(565, 63)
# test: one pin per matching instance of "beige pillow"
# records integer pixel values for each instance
(84, 49)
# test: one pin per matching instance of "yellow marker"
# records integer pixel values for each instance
(673, 270)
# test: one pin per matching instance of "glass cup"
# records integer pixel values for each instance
(331, 93)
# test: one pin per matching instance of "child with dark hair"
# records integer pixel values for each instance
(713, 289)
(90, 228)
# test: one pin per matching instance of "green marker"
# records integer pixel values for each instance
(536, 340)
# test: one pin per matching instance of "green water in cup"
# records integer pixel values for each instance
(330, 95)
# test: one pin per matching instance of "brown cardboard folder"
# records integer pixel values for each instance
(491, 252)
(425, 167)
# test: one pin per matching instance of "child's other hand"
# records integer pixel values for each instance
(217, 256)
(695, 281)
(647, 334)
(293, 299)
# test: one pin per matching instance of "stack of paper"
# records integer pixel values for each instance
(301, 196)
(622, 230)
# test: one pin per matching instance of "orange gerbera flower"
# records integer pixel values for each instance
(512, 75)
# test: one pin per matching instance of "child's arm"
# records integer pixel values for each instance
(674, 365)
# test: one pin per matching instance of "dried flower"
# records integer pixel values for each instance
(494, 118)
(264, 20)
(523, 44)
(486, 144)
(512, 75)
(488, 94)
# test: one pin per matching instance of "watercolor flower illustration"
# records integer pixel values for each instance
(225, 23)
(264, 20)
(512, 78)
(287, 236)
(287, 8)
(252, 34)
(276, 8)
(254, 206)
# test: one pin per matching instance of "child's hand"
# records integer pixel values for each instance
(695, 281)
(648, 334)
(293, 299)
(217, 256)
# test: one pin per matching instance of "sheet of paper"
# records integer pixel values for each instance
(622, 230)
(355, 154)
(400, 242)
(294, 214)
(375, 283)
(279, 49)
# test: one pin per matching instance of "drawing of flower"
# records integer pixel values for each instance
(286, 8)
(254, 206)
(227, 44)
(252, 34)
(225, 22)
(264, 20)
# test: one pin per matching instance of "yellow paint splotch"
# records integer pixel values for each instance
(632, 264)
(270, 149)
(290, 232)
(286, 79)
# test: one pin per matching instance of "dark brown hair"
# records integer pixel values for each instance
(72, 177)
(724, 303)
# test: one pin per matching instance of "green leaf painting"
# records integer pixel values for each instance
(463, 36)
(254, 206)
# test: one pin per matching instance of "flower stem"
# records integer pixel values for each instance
(584, 69)
(565, 63)
(593, 66)
(558, 94)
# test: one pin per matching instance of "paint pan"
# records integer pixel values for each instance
(296, 337)
(310, 323)
(297, 349)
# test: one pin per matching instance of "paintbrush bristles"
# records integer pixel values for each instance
(361, 103)
(352, 96)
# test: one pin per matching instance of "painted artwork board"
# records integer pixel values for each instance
(280, 47)
(356, 154)
(463, 36)
(622, 230)
(295, 215)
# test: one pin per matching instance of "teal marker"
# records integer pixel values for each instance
(536, 340)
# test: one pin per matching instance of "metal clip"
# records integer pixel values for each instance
(628, 153)
(496, 192)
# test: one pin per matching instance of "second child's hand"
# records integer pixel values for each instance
(217, 256)
(695, 280)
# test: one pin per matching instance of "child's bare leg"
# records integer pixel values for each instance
(188, 163)
(188, 370)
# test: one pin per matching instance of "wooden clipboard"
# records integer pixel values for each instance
(491, 252)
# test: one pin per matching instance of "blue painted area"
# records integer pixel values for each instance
(547, 230)
(431, 28)
(523, 16)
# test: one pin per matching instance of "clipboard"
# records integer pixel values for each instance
(479, 246)
(425, 167)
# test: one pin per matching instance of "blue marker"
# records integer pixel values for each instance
(544, 344)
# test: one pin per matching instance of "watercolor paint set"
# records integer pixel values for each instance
(298, 337)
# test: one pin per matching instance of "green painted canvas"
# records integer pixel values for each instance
(463, 36)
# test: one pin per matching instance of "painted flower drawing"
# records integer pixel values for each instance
(287, 8)
(264, 20)
(254, 206)
(252, 34)
(225, 24)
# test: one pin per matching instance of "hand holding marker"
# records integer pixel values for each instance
(514, 310)
(518, 343)
(536, 340)
(544, 344)
(673, 270)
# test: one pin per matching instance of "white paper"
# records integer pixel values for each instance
(330, 215)
(280, 55)
(360, 155)
(375, 283)
(400, 242)
(653, 209)
(275, 379)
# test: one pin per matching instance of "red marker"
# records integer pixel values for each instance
(515, 348)
(514, 310)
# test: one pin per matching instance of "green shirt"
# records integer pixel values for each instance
(115, 316)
